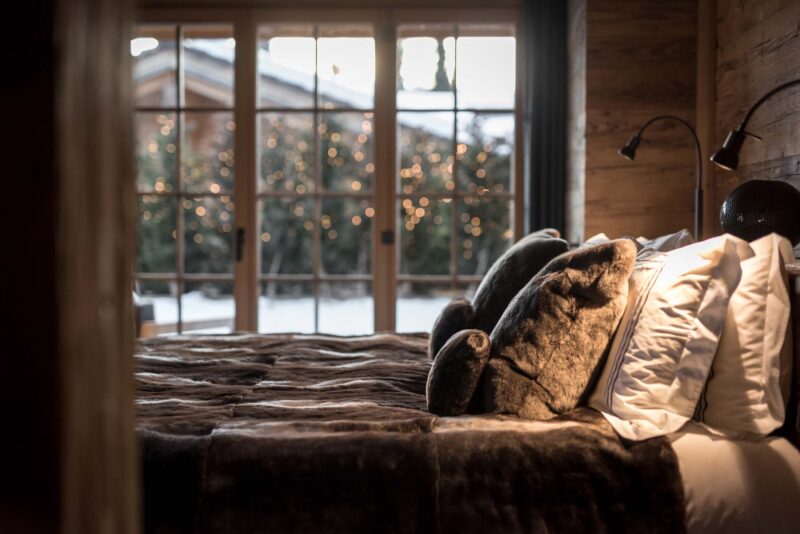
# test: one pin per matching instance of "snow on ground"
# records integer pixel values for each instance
(336, 316)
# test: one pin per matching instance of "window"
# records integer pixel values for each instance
(184, 124)
(315, 174)
(455, 116)
(321, 173)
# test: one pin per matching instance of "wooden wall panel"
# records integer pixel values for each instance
(758, 47)
(640, 62)
(706, 105)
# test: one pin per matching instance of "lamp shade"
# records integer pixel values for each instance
(727, 157)
(759, 207)
(629, 150)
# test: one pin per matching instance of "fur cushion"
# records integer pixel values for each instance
(456, 371)
(550, 341)
(501, 283)
(456, 316)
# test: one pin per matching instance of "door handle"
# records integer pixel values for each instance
(239, 244)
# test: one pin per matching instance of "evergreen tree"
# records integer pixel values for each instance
(482, 164)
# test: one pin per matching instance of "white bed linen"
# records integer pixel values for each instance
(738, 486)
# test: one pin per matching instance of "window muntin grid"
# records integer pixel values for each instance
(185, 136)
(318, 188)
(247, 35)
(432, 187)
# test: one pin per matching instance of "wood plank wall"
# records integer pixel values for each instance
(758, 47)
(640, 61)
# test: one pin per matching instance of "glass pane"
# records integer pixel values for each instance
(286, 307)
(419, 304)
(209, 53)
(346, 309)
(154, 66)
(484, 233)
(485, 70)
(287, 235)
(346, 67)
(424, 235)
(287, 60)
(286, 142)
(155, 246)
(208, 234)
(208, 308)
(425, 143)
(485, 152)
(425, 67)
(346, 156)
(346, 236)
(208, 164)
(156, 307)
(156, 151)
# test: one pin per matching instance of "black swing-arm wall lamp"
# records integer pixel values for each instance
(727, 157)
(757, 207)
(629, 151)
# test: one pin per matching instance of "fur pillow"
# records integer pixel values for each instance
(456, 371)
(456, 316)
(501, 283)
(549, 343)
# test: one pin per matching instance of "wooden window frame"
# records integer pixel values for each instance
(384, 276)
(318, 194)
(180, 277)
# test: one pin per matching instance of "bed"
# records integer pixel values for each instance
(298, 433)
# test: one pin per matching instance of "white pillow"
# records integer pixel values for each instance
(664, 243)
(664, 346)
(748, 388)
(596, 240)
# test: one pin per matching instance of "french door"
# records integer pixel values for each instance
(321, 171)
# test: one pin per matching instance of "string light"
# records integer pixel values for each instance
(430, 167)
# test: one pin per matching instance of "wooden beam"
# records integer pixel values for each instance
(246, 287)
(94, 235)
(706, 106)
(384, 254)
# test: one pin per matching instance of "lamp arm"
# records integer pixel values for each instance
(698, 193)
(697, 150)
(767, 96)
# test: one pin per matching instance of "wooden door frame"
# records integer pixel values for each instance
(99, 461)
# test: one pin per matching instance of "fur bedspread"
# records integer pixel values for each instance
(316, 433)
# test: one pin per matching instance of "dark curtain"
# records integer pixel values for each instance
(544, 111)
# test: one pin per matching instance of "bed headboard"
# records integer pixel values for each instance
(791, 428)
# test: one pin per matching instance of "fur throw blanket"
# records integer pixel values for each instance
(316, 433)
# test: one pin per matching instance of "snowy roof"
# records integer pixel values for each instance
(298, 85)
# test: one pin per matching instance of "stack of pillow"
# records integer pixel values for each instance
(690, 330)
(536, 351)
(705, 335)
